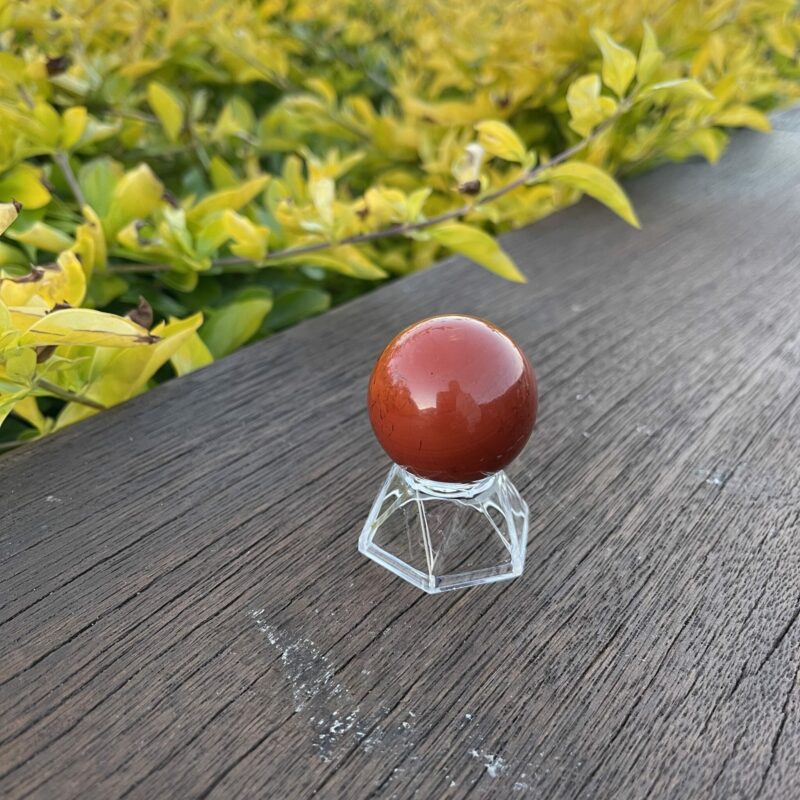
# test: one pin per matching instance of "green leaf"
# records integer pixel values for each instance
(295, 305)
(498, 139)
(681, 87)
(650, 57)
(167, 107)
(182, 281)
(596, 183)
(619, 64)
(228, 328)
(97, 179)
(103, 288)
(478, 246)
(742, 116)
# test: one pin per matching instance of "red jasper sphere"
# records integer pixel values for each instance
(452, 398)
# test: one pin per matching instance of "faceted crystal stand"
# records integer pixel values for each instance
(441, 536)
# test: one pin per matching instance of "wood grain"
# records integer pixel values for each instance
(183, 612)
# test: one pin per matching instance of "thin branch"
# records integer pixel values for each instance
(11, 445)
(141, 116)
(26, 98)
(141, 266)
(404, 228)
(66, 394)
(62, 160)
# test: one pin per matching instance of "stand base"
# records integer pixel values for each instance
(441, 536)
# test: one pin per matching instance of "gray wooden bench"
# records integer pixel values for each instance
(183, 612)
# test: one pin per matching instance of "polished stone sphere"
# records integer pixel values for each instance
(452, 398)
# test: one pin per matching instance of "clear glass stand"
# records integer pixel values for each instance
(441, 536)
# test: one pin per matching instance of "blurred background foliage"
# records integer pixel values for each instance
(196, 175)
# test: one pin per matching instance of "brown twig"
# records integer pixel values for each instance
(62, 160)
(66, 394)
(402, 229)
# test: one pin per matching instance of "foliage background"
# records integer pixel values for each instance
(175, 151)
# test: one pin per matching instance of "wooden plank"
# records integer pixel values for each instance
(183, 611)
(788, 120)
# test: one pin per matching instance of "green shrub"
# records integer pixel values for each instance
(243, 165)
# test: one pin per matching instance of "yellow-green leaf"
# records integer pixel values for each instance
(237, 117)
(24, 184)
(191, 355)
(478, 246)
(498, 139)
(323, 192)
(43, 237)
(619, 64)
(136, 195)
(8, 213)
(49, 128)
(63, 283)
(779, 35)
(681, 87)
(324, 89)
(742, 116)
(73, 124)
(167, 107)
(222, 174)
(708, 141)
(596, 183)
(249, 240)
(650, 57)
(8, 402)
(118, 374)
(233, 199)
(92, 229)
(22, 317)
(28, 409)
(5, 317)
(346, 259)
(83, 326)
(587, 107)
(21, 364)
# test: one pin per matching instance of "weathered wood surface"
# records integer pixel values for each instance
(184, 613)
